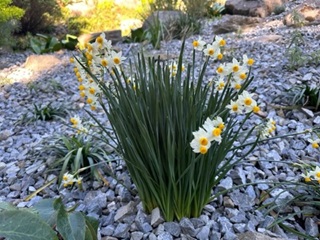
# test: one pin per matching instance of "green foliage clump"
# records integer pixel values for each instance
(305, 195)
(200, 8)
(9, 16)
(77, 24)
(279, 9)
(39, 16)
(48, 219)
(214, 9)
(163, 4)
(44, 44)
(185, 26)
(106, 15)
(79, 154)
(43, 113)
(307, 96)
(8, 12)
(294, 52)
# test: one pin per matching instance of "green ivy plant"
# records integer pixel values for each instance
(48, 219)
(44, 44)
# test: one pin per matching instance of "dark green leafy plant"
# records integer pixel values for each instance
(44, 44)
(48, 219)
(155, 33)
(137, 35)
(9, 16)
(43, 113)
(297, 19)
(214, 9)
(48, 86)
(40, 15)
(315, 58)
(296, 56)
(305, 195)
(47, 113)
(79, 155)
(307, 96)
(279, 9)
(185, 26)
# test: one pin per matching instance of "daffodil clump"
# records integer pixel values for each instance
(101, 59)
(233, 76)
(178, 132)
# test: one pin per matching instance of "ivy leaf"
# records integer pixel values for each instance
(24, 225)
(71, 226)
(46, 211)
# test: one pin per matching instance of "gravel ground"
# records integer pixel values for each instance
(23, 166)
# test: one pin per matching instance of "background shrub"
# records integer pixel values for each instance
(39, 16)
(193, 8)
(9, 16)
(104, 15)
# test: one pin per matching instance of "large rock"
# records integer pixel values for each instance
(305, 14)
(253, 8)
(234, 23)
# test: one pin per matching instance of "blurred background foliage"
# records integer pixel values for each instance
(20, 20)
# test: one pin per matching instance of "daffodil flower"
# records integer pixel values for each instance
(214, 127)
(307, 177)
(200, 143)
(247, 61)
(235, 107)
(117, 58)
(314, 143)
(198, 44)
(233, 67)
(211, 50)
(316, 173)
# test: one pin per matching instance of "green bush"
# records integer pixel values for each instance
(39, 16)
(8, 21)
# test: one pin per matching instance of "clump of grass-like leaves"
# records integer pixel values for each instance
(79, 154)
(306, 96)
(43, 112)
(304, 196)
